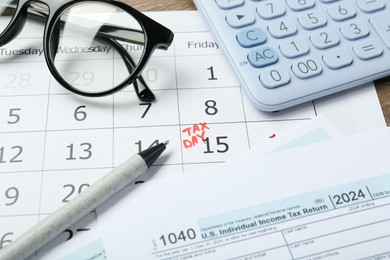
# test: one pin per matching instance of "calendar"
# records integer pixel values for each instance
(54, 144)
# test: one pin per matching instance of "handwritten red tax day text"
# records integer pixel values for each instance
(194, 133)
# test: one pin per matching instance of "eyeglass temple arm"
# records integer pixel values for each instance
(145, 95)
(106, 30)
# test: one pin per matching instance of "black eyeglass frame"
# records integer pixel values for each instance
(156, 36)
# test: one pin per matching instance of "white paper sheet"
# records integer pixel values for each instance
(84, 245)
(329, 200)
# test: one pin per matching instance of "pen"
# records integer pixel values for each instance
(85, 202)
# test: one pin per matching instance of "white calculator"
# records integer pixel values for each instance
(286, 52)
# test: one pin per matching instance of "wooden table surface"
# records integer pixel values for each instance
(382, 86)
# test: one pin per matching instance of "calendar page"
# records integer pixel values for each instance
(54, 144)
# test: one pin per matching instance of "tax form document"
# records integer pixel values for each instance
(330, 200)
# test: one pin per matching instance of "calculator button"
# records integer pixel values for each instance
(229, 4)
(381, 24)
(312, 20)
(325, 39)
(342, 11)
(336, 59)
(368, 50)
(355, 30)
(294, 48)
(262, 57)
(270, 10)
(307, 68)
(275, 77)
(251, 37)
(299, 5)
(240, 19)
(282, 28)
(369, 6)
(328, 1)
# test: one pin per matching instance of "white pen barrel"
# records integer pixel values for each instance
(74, 210)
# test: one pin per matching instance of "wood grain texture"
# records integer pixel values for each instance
(161, 5)
(383, 90)
(382, 86)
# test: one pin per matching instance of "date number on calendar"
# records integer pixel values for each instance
(11, 155)
(9, 197)
(5, 239)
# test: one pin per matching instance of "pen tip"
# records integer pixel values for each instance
(166, 142)
(152, 153)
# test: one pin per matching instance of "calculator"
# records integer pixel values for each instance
(286, 52)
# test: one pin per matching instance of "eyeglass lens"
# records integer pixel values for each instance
(7, 11)
(96, 46)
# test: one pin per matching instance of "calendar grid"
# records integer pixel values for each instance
(246, 122)
(44, 152)
(178, 103)
(113, 119)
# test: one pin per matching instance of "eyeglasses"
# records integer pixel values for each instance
(83, 38)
